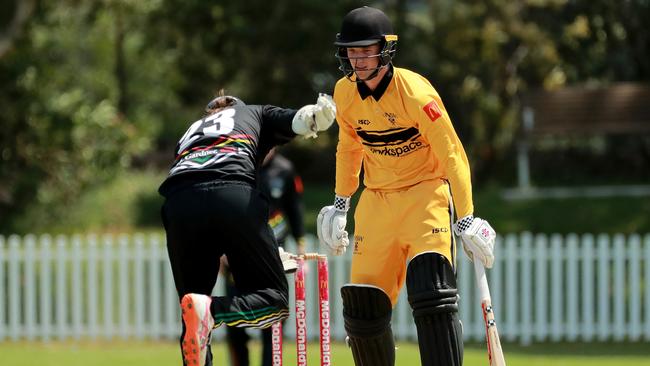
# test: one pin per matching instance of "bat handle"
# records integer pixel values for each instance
(481, 281)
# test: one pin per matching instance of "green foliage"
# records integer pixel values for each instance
(90, 88)
(65, 124)
(128, 202)
(482, 56)
(574, 215)
(276, 52)
(66, 132)
(131, 202)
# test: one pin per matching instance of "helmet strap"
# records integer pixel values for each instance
(370, 77)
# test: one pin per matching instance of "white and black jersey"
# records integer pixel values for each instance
(229, 145)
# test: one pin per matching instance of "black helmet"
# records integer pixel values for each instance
(227, 100)
(363, 27)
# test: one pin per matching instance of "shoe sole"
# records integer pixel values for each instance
(198, 324)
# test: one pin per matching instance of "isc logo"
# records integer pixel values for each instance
(438, 230)
(363, 122)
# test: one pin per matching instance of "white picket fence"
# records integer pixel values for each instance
(544, 288)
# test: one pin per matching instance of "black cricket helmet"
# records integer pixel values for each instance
(363, 27)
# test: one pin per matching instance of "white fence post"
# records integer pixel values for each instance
(107, 286)
(525, 268)
(155, 287)
(635, 288)
(557, 288)
(588, 283)
(122, 285)
(61, 288)
(138, 286)
(14, 278)
(76, 288)
(541, 293)
(619, 287)
(511, 315)
(92, 283)
(572, 327)
(29, 287)
(45, 287)
(603, 288)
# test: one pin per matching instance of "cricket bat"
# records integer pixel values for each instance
(495, 352)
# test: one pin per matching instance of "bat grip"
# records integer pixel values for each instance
(481, 281)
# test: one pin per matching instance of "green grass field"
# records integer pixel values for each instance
(127, 353)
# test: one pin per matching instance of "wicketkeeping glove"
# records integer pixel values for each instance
(478, 238)
(330, 225)
(314, 117)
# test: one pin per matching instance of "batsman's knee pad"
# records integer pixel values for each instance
(433, 296)
(367, 314)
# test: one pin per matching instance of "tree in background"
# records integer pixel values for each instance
(483, 55)
(273, 51)
(89, 89)
(65, 122)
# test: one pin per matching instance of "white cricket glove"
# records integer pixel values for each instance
(314, 117)
(330, 225)
(478, 238)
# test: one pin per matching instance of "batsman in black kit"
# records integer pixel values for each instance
(213, 207)
(280, 182)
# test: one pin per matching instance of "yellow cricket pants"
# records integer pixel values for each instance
(392, 227)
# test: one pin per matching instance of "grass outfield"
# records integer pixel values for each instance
(166, 354)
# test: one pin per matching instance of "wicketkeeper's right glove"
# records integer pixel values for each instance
(478, 239)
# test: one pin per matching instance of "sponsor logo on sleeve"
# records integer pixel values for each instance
(432, 110)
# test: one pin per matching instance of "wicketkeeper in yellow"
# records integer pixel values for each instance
(394, 124)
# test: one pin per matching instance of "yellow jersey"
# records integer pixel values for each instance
(402, 134)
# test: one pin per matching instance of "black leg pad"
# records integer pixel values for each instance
(367, 314)
(433, 296)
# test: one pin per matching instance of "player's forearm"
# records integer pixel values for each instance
(460, 178)
(457, 172)
(461, 191)
(448, 149)
(348, 169)
(349, 155)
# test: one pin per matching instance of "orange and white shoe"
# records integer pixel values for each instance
(198, 322)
